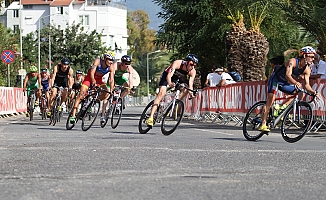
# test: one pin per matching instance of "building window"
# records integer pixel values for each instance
(111, 42)
(16, 13)
(60, 10)
(84, 20)
(16, 28)
(28, 6)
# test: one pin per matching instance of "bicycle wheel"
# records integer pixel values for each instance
(69, 126)
(31, 106)
(43, 107)
(53, 117)
(296, 122)
(108, 114)
(116, 113)
(142, 126)
(252, 121)
(172, 117)
(59, 109)
(90, 115)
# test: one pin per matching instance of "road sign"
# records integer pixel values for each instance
(7, 56)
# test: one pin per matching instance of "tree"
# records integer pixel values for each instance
(74, 43)
(310, 15)
(8, 41)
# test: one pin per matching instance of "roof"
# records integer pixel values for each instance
(51, 2)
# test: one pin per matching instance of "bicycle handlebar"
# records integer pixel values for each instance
(305, 92)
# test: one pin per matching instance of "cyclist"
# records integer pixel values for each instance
(94, 76)
(78, 80)
(121, 68)
(61, 77)
(45, 82)
(282, 79)
(32, 82)
(179, 69)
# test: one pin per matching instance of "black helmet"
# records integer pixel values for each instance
(79, 71)
(65, 61)
(126, 59)
(192, 57)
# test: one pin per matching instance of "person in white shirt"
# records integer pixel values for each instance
(225, 78)
(212, 79)
(318, 69)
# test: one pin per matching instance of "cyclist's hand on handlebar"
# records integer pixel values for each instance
(172, 85)
(298, 85)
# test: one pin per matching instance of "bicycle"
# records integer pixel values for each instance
(115, 107)
(31, 105)
(295, 119)
(43, 104)
(169, 114)
(89, 109)
(56, 110)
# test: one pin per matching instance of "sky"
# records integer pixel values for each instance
(151, 9)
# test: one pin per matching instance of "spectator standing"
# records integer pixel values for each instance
(318, 69)
(212, 78)
(225, 78)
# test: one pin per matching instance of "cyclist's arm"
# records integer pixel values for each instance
(175, 65)
(289, 67)
(131, 76)
(306, 75)
(70, 78)
(39, 81)
(93, 70)
(111, 78)
(192, 75)
(25, 81)
(53, 75)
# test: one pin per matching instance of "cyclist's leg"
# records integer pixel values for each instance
(81, 95)
(272, 89)
(122, 81)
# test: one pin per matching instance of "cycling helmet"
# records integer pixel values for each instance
(65, 61)
(192, 57)
(44, 70)
(33, 68)
(126, 59)
(109, 55)
(307, 50)
(79, 72)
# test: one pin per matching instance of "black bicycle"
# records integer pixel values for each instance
(169, 114)
(295, 120)
(31, 105)
(89, 109)
(56, 110)
(114, 108)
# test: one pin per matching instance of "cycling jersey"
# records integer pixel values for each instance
(45, 83)
(32, 83)
(119, 79)
(178, 74)
(61, 78)
(99, 73)
(279, 81)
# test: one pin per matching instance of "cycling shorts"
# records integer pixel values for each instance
(174, 78)
(88, 81)
(31, 87)
(274, 84)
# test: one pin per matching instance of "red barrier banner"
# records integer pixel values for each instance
(239, 97)
(12, 100)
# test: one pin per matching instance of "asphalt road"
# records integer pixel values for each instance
(198, 161)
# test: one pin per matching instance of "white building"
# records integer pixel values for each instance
(108, 17)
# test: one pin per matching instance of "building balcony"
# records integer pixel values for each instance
(115, 3)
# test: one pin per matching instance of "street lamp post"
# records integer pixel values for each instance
(39, 43)
(147, 70)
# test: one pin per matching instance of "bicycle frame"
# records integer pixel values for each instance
(292, 103)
